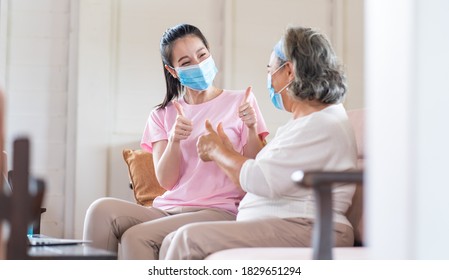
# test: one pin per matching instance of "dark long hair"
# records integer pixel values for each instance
(174, 87)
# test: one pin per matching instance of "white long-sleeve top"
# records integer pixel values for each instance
(323, 140)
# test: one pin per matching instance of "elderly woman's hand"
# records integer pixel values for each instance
(246, 111)
(212, 141)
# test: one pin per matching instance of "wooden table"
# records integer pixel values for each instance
(69, 252)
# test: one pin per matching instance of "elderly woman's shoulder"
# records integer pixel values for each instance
(331, 117)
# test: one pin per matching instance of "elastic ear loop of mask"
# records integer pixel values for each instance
(275, 71)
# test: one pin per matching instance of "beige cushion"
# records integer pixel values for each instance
(357, 120)
(280, 253)
(141, 173)
(355, 212)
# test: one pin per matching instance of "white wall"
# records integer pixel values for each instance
(407, 97)
(255, 33)
(389, 99)
(3, 40)
(352, 51)
(432, 135)
(93, 105)
(35, 66)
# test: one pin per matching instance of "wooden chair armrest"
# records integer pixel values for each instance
(321, 182)
(36, 205)
(38, 184)
(24, 203)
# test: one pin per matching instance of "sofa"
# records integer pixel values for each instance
(146, 187)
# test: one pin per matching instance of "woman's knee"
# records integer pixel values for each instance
(186, 243)
(188, 235)
(101, 206)
(166, 244)
(97, 211)
(139, 243)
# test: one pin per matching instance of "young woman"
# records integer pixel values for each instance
(196, 190)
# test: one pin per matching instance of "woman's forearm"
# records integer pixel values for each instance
(254, 144)
(167, 161)
(230, 162)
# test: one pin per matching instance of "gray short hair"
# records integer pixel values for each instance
(318, 75)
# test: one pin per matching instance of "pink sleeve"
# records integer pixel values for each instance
(155, 130)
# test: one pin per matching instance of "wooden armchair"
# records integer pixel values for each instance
(21, 206)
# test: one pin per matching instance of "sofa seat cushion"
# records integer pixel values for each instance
(275, 253)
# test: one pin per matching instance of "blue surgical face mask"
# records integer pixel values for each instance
(275, 97)
(198, 77)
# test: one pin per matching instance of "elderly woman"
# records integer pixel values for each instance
(304, 79)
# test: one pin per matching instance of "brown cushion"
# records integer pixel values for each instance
(142, 176)
(357, 120)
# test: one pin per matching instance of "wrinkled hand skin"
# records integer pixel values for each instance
(211, 141)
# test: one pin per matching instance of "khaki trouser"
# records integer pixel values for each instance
(198, 240)
(139, 230)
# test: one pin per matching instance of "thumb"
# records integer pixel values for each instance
(221, 132)
(223, 136)
(247, 93)
(209, 126)
(178, 108)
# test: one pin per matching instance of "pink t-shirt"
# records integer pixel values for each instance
(202, 184)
